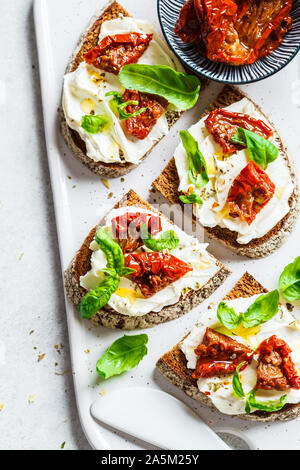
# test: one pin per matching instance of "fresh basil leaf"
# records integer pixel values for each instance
(261, 150)
(94, 124)
(180, 89)
(197, 164)
(167, 240)
(120, 105)
(125, 271)
(94, 300)
(269, 405)
(228, 317)
(124, 354)
(236, 383)
(262, 310)
(191, 198)
(113, 252)
(289, 281)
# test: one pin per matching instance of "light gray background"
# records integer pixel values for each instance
(31, 292)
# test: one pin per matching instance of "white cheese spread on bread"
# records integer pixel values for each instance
(128, 299)
(222, 171)
(219, 388)
(84, 91)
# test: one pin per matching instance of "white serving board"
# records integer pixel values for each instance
(82, 200)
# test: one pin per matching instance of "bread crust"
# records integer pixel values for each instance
(112, 319)
(168, 181)
(87, 41)
(172, 365)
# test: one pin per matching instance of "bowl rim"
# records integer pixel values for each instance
(219, 80)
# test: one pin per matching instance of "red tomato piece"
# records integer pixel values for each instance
(222, 124)
(251, 190)
(141, 125)
(234, 31)
(187, 26)
(220, 355)
(113, 52)
(155, 270)
(126, 228)
(275, 369)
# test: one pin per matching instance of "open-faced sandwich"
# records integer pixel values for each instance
(234, 169)
(137, 269)
(243, 357)
(123, 89)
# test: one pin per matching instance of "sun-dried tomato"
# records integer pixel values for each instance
(113, 52)
(155, 270)
(234, 31)
(187, 25)
(220, 355)
(222, 124)
(251, 190)
(126, 228)
(141, 125)
(275, 368)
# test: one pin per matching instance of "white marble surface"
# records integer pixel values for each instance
(31, 286)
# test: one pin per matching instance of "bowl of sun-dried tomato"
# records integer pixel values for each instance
(232, 41)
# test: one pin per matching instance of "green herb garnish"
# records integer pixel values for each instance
(269, 405)
(94, 124)
(124, 354)
(197, 174)
(261, 150)
(191, 198)
(289, 281)
(119, 105)
(95, 299)
(236, 383)
(262, 310)
(167, 240)
(180, 89)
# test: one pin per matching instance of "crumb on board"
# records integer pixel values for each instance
(21, 256)
(32, 398)
(102, 392)
(41, 356)
(110, 195)
(87, 351)
(106, 183)
(62, 446)
(31, 331)
(1, 406)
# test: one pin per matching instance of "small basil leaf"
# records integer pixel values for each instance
(289, 281)
(94, 124)
(228, 317)
(123, 115)
(180, 89)
(191, 198)
(261, 150)
(113, 252)
(236, 383)
(269, 405)
(167, 240)
(94, 300)
(262, 310)
(124, 354)
(197, 164)
(119, 105)
(125, 271)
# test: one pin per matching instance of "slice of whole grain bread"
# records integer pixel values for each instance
(172, 365)
(112, 319)
(88, 40)
(168, 181)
